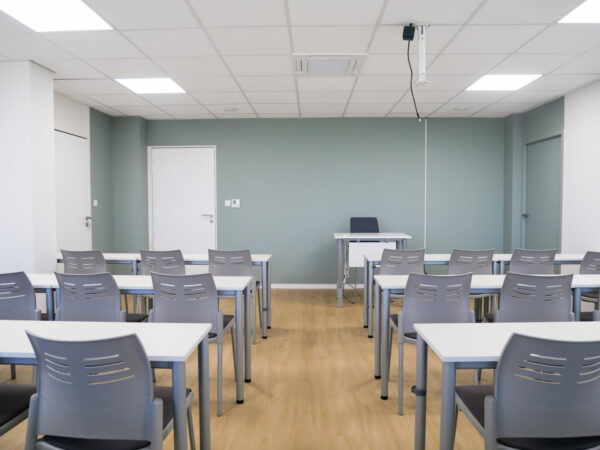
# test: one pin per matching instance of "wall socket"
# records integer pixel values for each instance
(227, 202)
(235, 203)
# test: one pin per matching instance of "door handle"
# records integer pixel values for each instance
(210, 217)
(88, 222)
(526, 215)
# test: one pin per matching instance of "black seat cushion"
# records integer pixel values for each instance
(44, 316)
(473, 396)
(136, 317)
(586, 316)
(227, 318)
(65, 443)
(14, 400)
(411, 335)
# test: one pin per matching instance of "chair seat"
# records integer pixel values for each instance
(411, 335)
(136, 317)
(227, 319)
(44, 316)
(14, 400)
(586, 316)
(163, 392)
(473, 397)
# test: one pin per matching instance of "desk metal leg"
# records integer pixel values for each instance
(179, 407)
(204, 394)
(370, 294)
(385, 329)
(340, 272)
(377, 332)
(50, 303)
(577, 303)
(403, 244)
(421, 393)
(447, 419)
(265, 300)
(269, 294)
(239, 345)
(366, 296)
(247, 337)
(501, 267)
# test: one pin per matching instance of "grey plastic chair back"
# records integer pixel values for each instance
(169, 262)
(436, 299)
(532, 262)
(230, 263)
(535, 298)
(92, 298)
(590, 263)
(402, 262)
(93, 389)
(547, 388)
(83, 262)
(17, 297)
(477, 262)
(185, 298)
(364, 225)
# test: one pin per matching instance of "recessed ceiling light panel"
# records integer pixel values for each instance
(151, 85)
(54, 15)
(502, 82)
(587, 12)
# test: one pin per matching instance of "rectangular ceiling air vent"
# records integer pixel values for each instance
(328, 65)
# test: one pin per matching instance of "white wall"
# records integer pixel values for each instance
(581, 175)
(71, 117)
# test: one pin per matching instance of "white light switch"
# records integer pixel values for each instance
(227, 202)
(235, 203)
(95, 203)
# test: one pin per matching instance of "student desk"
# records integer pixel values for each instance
(142, 284)
(479, 345)
(167, 345)
(343, 239)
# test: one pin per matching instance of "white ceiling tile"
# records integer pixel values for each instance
(240, 108)
(402, 115)
(10, 25)
(69, 68)
(492, 39)
(382, 83)
(188, 70)
(220, 98)
(61, 88)
(324, 96)
(409, 108)
(86, 100)
(431, 11)
(388, 39)
(276, 108)
(531, 63)
(193, 116)
(114, 100)
(279, 116)
(334, 12)
(523, 96)
(137, 14)
(311, 83)
(364, 115)
(452, 114)
(523, 11)
(127, 68)
(170, 99)
(366, 108)
(331, 40)
(251, 40)
(138, 110)
(161, 116)
(479, 96)
(172, 43)
(267, 83)
(272, 97)
(429, 97)
(237, 116)
(463, 64)
(587, 63)
(457, 108)
(24, 46)
(510, 108)
(184, 109)
(564, 38)
(489, 115)
(240, 13)
(109, 111)
(95, 44)
(385, 65)
(217, 84)
(562, 83)
(95, 87)
(376, 96)
(315, 108)
(260, 65)
(447, 83)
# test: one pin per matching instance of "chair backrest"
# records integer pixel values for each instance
(17, 297)
(590, 263)
(364, 225)
(83, 262)
(230, 263)
(169, 262)
(402, 262)
(92, 298)
(93, 389)
(436, 299)
(185, 298)
(477, 262)
(547, 388)
(532, 262)
(535, 298)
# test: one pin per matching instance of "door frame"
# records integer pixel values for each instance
(150, 187)
(524, 186)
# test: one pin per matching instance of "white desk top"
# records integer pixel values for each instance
(172, 342)
(188, 257)
(483, 342)
(141, 282)
(443, 258)
(371, 236)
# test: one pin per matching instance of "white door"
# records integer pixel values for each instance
(73, 192)
(182, 198)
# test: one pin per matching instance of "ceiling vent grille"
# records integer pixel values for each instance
(328, 65)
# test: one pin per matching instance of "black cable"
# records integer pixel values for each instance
(411, 82)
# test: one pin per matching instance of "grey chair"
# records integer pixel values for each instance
(402, 262)
(92, 298)
(14, 404)
(193, 298)
(364, 225)
(428, 299)
(535, 298)
(590, 264)
(98, 395)
(238, 263)
(83, 262)
(532, 262)
(546, 396)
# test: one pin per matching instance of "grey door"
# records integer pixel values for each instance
(543, 194)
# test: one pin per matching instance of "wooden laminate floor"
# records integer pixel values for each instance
(312, 386)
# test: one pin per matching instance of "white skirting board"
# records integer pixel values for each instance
(307, 286)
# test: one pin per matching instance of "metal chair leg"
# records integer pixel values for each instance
(220, 381)
(13, 372)
(190, 421)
